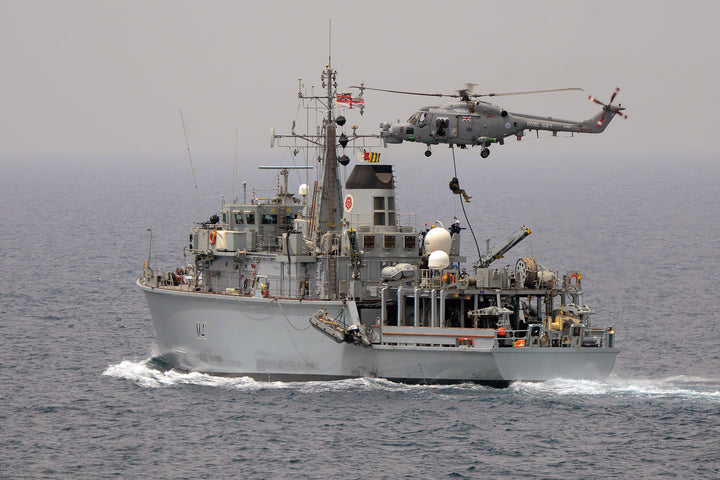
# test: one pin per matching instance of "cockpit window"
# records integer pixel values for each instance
(422, 119)
(413, 119)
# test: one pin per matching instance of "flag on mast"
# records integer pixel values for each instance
(370, 157)
(346, 97)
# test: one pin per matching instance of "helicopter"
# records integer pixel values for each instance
(479, 123)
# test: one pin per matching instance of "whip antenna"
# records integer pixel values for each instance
(235, 171)
(191, 164)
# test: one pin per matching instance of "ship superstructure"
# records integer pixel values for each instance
(335, 283)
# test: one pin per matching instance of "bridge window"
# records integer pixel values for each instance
(382, 215)
(379, 206)
(239, 218)
(268, 219)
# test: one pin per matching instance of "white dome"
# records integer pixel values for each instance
(303, 189)
(438, 239)
(438, 260)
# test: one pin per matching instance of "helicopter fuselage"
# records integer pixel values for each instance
(478, 123)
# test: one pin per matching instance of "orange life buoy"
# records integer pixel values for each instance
(213, 237)
(501, 332)
(575, 276)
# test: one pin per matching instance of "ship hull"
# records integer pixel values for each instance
(272, 339)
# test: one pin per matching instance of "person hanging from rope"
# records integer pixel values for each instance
(455, 188)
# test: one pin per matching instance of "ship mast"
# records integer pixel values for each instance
(326, 210)
(328, 197)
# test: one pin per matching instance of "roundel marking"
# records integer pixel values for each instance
(507, 125)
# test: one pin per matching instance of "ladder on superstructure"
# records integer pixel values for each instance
(312, 210)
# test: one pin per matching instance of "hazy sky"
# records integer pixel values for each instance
(109, 77)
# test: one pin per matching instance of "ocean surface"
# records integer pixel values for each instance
(81, 398)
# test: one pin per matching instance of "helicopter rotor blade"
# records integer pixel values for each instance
(405, 92)
(465, 93)
(617, 89)
(529, 92)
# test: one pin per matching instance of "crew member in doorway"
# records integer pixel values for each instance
(455, 188)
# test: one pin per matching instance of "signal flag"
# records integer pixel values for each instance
(371, 157)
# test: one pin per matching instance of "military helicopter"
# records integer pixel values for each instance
(479, 123)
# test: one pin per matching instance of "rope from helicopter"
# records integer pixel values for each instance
(462, 204)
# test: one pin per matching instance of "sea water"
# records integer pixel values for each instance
(81, 397)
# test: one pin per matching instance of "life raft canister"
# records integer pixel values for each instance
(520, 342)
(501, 332)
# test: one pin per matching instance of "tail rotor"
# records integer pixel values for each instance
(609, 107)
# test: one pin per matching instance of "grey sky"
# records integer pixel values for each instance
(101, 77)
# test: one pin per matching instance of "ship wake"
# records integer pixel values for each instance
(156, 373)
(681, 387)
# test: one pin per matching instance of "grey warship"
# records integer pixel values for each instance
(333, 283)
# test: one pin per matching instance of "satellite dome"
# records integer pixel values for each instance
(438, 239)
(438, 260)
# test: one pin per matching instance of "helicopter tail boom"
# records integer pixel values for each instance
(598, 123)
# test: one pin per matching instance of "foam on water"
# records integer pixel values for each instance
(145, 374)
(682, 387)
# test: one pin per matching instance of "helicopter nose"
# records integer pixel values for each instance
(392, 133)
